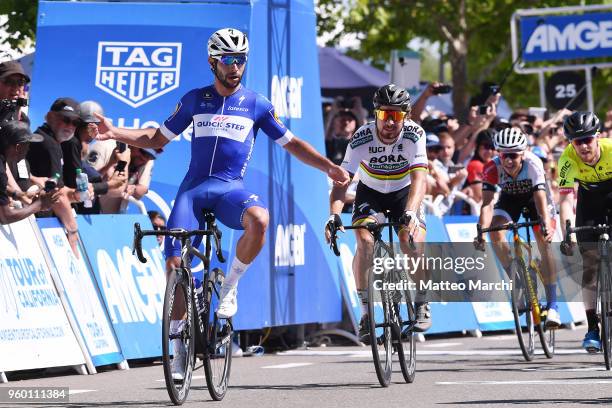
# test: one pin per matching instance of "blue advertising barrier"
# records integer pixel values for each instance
(137, 60)
(133, 292)
(82, 295)
(565, 37)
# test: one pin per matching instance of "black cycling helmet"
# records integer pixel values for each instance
(580, 124)
(392, 95)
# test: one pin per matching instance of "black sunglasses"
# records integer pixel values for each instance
(159, 227)
(14, 82)
(511, 156)
(67, 121)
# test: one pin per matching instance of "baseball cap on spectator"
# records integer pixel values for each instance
(14, 132)
(9, 68)
(346, 112)
(87, 110)
(67, 107)
(432, 140)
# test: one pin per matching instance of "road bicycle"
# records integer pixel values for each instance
(201, 324)
(390, 308)
(528, 292)
(604, 282)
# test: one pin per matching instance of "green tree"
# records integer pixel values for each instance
(21, 23)
(476, 34)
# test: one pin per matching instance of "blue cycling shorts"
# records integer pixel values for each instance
(227, 199)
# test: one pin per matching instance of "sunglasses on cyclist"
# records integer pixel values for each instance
(67, 121)
(14, 82)
(394, 115)
(511, 156)
(233, 59)
(583, 140)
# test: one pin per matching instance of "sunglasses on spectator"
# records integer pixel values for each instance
(159, 227)
(394, 115)
(584, 140)
(233, 59)
(511, 156)
(435, 148)
(14, 82)
(488, 146)
(67, 121)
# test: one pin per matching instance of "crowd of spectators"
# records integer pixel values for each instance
(61, 147)
(457, 151)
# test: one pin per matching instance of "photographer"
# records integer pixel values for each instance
(15, 138)
(12, 91)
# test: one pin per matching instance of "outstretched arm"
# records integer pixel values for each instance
(307, 154)
(149, 137)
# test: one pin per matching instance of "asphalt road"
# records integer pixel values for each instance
(457, 371)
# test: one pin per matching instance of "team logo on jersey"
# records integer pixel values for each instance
(277, 119)
(138, 72)
(362, 137)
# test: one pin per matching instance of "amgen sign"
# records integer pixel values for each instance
(566, 36)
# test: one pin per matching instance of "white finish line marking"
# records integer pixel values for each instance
(193, 377)
(560, 381)
(288, 365)
(73, 392)
(565, 369)
(366, 352)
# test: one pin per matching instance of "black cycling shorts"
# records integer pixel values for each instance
(592, 207)
(369, 203)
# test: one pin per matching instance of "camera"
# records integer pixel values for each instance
(346, 103)
(121, 146)
(442, 89)
(50, 185)
(493, 89)
(10, 107)
(483, 109)
(120, 166)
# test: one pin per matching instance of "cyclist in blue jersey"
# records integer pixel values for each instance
(226, 117)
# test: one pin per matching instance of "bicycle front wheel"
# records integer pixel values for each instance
(605, 305)
(178, 350)
(404, 316)
(379, 310)
(218, 339)
(521, 308)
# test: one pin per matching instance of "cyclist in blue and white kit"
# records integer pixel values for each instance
(226, 117)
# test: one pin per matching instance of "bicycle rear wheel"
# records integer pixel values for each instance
(605, 305)
(522, 307)
(404, 316)
(218, 341)
(178, 286)
(379, 310)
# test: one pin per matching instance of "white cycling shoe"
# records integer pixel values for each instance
(178, 361)
(553, 320)
(228, 305)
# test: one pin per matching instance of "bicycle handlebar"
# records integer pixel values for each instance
(514, 226)
(569, 230)
(178, 233)
(373, 228)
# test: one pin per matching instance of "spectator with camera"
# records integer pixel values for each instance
(74, 151)
(15, 139)
(139, 171)
(46, 158)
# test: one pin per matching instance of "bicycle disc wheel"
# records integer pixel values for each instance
(218, 342)
(605, 304)
(379, 310)
(522, 307)
(178, 285)
(404, 317)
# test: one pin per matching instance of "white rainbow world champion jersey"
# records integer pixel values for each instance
(386, 167)
(224, 131)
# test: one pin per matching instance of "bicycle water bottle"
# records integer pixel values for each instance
(82, 186)
(199, 295)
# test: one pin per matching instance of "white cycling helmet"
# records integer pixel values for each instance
(510, 140)
(227, 41)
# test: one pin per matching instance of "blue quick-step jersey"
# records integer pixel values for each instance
(224, 130)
